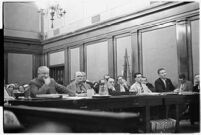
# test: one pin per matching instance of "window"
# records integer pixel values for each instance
(195, 46)
(124, 65)
(159, 49)
(97, 60)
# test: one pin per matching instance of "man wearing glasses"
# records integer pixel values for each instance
(77, 85)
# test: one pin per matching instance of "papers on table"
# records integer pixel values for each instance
(101, 96)
(153, 93)
(63, 96)
(49, 95)
(178, 93)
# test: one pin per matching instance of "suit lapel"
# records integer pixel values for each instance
(162, 83)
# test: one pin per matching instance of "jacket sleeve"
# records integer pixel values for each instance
(158, 86)
(62, 89)
(34, 89)
(171, 85)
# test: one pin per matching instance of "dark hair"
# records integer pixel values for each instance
(120, 76)
(107, 77)
(196, 75)
(101, 82)
(135, 75)
(160, 70)
(182, 76)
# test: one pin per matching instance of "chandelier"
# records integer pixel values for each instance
(54, 10)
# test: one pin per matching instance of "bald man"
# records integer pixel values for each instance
(43, 84)
(77, 85)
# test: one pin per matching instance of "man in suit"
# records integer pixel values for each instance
(77, 85)
(183, 85)
(149, 85)
(163, 84)
(196, 85)
(43, 84)
(110, 86)
(194, 109)
(121, 85)
(138, 87)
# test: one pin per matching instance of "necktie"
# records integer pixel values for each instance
(164, 83)
(142, 90)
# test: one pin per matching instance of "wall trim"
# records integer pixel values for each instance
(68, 40)
(144, 12)
(22, 45)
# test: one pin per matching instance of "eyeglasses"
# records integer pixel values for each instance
(102, 84)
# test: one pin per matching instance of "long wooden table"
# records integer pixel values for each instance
(117, 102)
(39, 119)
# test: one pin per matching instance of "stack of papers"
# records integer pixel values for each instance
(153, 93)
(49, 96)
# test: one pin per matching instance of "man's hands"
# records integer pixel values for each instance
(47, 80)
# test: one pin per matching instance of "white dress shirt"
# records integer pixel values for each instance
(139, 88)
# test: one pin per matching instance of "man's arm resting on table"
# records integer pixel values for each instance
(62, 89)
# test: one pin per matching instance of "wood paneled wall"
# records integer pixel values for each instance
(178, 14)
(22, 46)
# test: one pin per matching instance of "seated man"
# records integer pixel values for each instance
(138, 87)
(10, 88)
(77, 85)
(103, 89)
(121, 85)
(196, 85)
(110, 85)
(149, 85)
(194, 109)
(163, 84)
(43, 84)
(106, 77)
(183, 85)
(6, 95)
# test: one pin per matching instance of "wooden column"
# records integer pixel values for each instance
(83, 57)
(136, 52)
(66, 67)
(182, 48)
(189, 49)
(45, 59)
(111, 58)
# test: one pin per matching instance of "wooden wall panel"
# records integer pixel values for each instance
(182, 52)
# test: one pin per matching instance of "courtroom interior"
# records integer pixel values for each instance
(101, 66)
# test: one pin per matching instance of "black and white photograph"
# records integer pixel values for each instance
(101, 66)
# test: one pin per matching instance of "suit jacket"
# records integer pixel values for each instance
(187, 86)
(196, 88)
(117, 87)
(139, 88)
(78, 88)
(38, 86)
(160, 86)
(151, 87)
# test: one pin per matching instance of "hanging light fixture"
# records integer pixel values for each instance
(53, 9)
